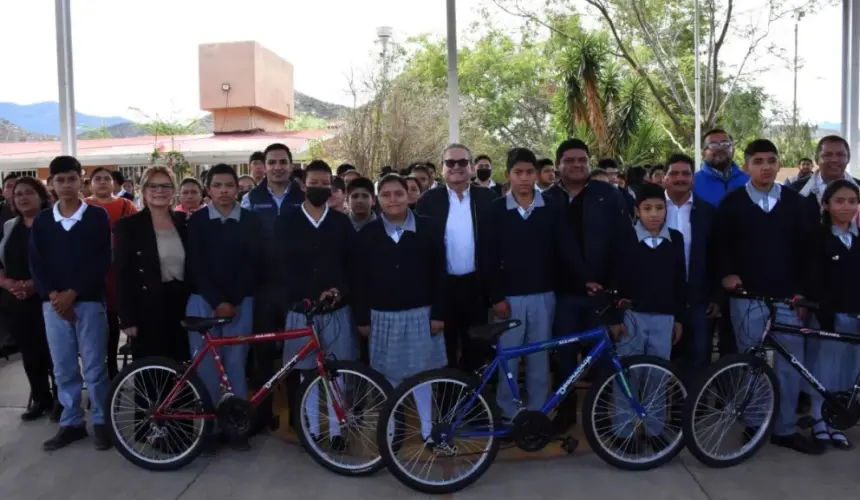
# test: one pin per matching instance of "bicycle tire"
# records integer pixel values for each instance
(712, 372)
(589, 415)
(466, 379)
(362, 371)
(197, 385)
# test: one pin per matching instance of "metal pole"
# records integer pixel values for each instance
(65, 77)
(698, 85)
(854, 97)
(453, 75)
(846, 74)
(794, 106)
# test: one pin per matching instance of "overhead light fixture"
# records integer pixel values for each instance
(225, 87)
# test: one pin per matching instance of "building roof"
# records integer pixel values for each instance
(197, 149)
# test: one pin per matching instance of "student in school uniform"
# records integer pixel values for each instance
(654, 279)
(223, 254)
(70, 254)
(402, 313)
(360, 200)
(523, 245)
(836, 272)
(316, 245)
(762, 233)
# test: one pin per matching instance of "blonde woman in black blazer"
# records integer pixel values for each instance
(149, 264)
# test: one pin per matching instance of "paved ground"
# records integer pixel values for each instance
(275, 469)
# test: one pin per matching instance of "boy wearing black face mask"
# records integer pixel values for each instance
(484, 173)
(315, 242)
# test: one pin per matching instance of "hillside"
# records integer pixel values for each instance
(40, 122)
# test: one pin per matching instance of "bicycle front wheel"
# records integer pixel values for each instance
(730, 414)
(347, 449)
(614, 430)
(418, 439)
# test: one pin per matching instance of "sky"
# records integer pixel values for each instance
(143, 54)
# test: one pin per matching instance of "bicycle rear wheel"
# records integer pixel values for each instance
(158, 445)
(361, 392)
(423, 408)
(739, 392)
(620, 437)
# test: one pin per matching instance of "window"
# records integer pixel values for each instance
(22, 173)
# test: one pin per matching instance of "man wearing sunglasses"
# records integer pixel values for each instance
(719, 174)
(275, 194)
(460, 208)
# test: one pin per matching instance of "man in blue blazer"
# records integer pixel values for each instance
(693, 217)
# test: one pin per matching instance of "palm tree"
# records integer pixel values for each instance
(601, 103)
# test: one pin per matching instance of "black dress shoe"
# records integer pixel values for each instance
(798, 443)
(102, 437)
(66, 436)
(36, 411)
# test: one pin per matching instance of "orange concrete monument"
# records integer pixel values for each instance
(246, 87)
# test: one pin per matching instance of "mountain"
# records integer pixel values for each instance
(41, 121)
(44, 117)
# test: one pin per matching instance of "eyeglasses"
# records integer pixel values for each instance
(719, 145)
(463, 162)
(283, 161)
(166, 186)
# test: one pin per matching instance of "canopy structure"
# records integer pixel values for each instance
(850, 75)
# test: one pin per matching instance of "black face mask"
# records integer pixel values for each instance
(318, 196)
(484, 174)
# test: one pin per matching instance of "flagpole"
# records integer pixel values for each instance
(697, 146)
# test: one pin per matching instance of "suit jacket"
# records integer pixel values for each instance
(434, 203)
(496, 188)
(137, 268)
(703, 280)
(814, 207)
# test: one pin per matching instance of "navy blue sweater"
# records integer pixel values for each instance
(316, 259)
(224, 258)
(654, 279)
(835, 272)
(77, 259)
(768, 251)
(525, 256)
(400, 276)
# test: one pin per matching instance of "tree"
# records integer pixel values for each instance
(100, 132)
(654, 39)
(306, 121)
(166, 127)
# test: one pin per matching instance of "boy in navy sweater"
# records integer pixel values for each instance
(761, 234)
(524, 242)
(654, 279)
(70, 254)
(223, 257)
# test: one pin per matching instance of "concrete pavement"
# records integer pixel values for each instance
(274, 469)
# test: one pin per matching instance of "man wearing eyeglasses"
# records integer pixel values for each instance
(719, 174)
(460, 209)
(275, 194)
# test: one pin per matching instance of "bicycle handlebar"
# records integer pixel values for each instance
(617, 301)
(311, 308)
(793, 303)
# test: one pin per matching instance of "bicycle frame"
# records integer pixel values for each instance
(769, 340)
(604, 344)
(210, 347)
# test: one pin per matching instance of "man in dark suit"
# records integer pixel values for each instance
(693, 218)
(832, 155)
(459, 207)
(598, 217)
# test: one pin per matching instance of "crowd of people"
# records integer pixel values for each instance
(417, 260)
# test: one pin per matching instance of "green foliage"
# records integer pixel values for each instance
(100, 132)
(306, 121)
(172, 159)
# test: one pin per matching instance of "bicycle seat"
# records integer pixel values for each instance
(491, 333)
(202, 325)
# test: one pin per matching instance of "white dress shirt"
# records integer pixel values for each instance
(69, 222)
(459, 234)
(316, 223)
(678, 218)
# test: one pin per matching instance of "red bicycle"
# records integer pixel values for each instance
(162, 416)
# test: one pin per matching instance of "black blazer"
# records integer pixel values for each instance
(814, 208)
(137, 269)
(496, 188)
(434, 203)
(704, 280)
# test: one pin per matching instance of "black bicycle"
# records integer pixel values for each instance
(742, 390)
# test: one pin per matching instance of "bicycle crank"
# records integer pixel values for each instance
(532, 430)
(234, 416)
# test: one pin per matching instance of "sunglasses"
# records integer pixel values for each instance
(464, 162)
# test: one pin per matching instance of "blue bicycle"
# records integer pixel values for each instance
(441, 419)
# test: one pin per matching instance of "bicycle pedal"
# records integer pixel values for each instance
(569, 444)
